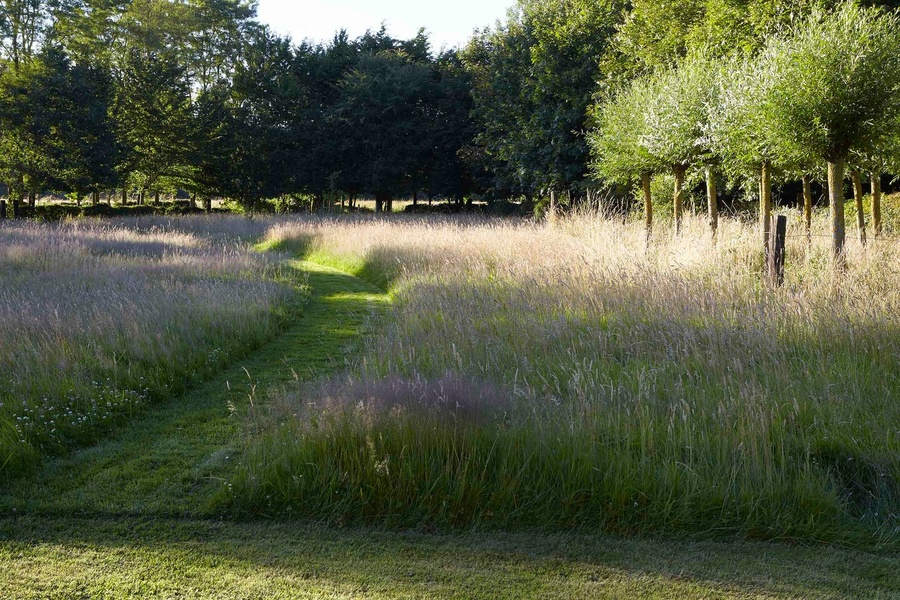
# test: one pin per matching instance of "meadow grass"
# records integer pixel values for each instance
(98, 319)
(570, 376)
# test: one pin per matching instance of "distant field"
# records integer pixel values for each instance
(562, 376)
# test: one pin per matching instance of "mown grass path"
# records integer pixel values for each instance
(132, 517)
(172, 460)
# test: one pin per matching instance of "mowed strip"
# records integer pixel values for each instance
(132, 557)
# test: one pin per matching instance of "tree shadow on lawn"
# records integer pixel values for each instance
(277, 559)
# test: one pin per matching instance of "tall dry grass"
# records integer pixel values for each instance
(647, 388)
(98, 319)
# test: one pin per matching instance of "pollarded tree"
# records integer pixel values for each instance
(677, 117)
(740, 131)
(834, 90)
(657, 34)
(617, 152)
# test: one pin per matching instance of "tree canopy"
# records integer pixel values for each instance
(562, 96)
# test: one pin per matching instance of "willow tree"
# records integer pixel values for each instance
(618, 154)
(677, 116)
(739, 130)
(834, 89)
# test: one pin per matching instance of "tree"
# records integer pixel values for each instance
(677, 114)
(217, 30)
(885, 161)
(153, 112)
(618, 152)
(815, 104)
(74, 101)
(381, 122)
(740, 132)
(258, 130)
(22, 26)
(534, 80)
(24, 133)
(447, 129)
(656, 35)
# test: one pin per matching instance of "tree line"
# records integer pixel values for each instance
(818, 94)
(148, 96)
(560, 99)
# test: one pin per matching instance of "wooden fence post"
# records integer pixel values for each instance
(2, 210)
(776, 254)
(15, 208)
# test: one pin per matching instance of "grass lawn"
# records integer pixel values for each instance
(134, 557)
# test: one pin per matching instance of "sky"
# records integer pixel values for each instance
(449, 24)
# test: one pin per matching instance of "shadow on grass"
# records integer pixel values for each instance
(300, 560)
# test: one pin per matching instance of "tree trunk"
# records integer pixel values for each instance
(141, 198)
(679, 197)
(124, 196)
(552, 214)
(765, 204)
(95, 198)
(876, 203)
(648, 205)
(860, 212)
(32, 199)
(207, 204)
(156, 198)
(415, 197)
(389, 205)
(807, 208)
(836, 200)
(712, 200)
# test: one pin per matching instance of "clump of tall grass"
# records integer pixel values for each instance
(97, 320)
(651, 388)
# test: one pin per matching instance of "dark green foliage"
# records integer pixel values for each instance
(533, 82)
(154, 96)
(153, 113)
